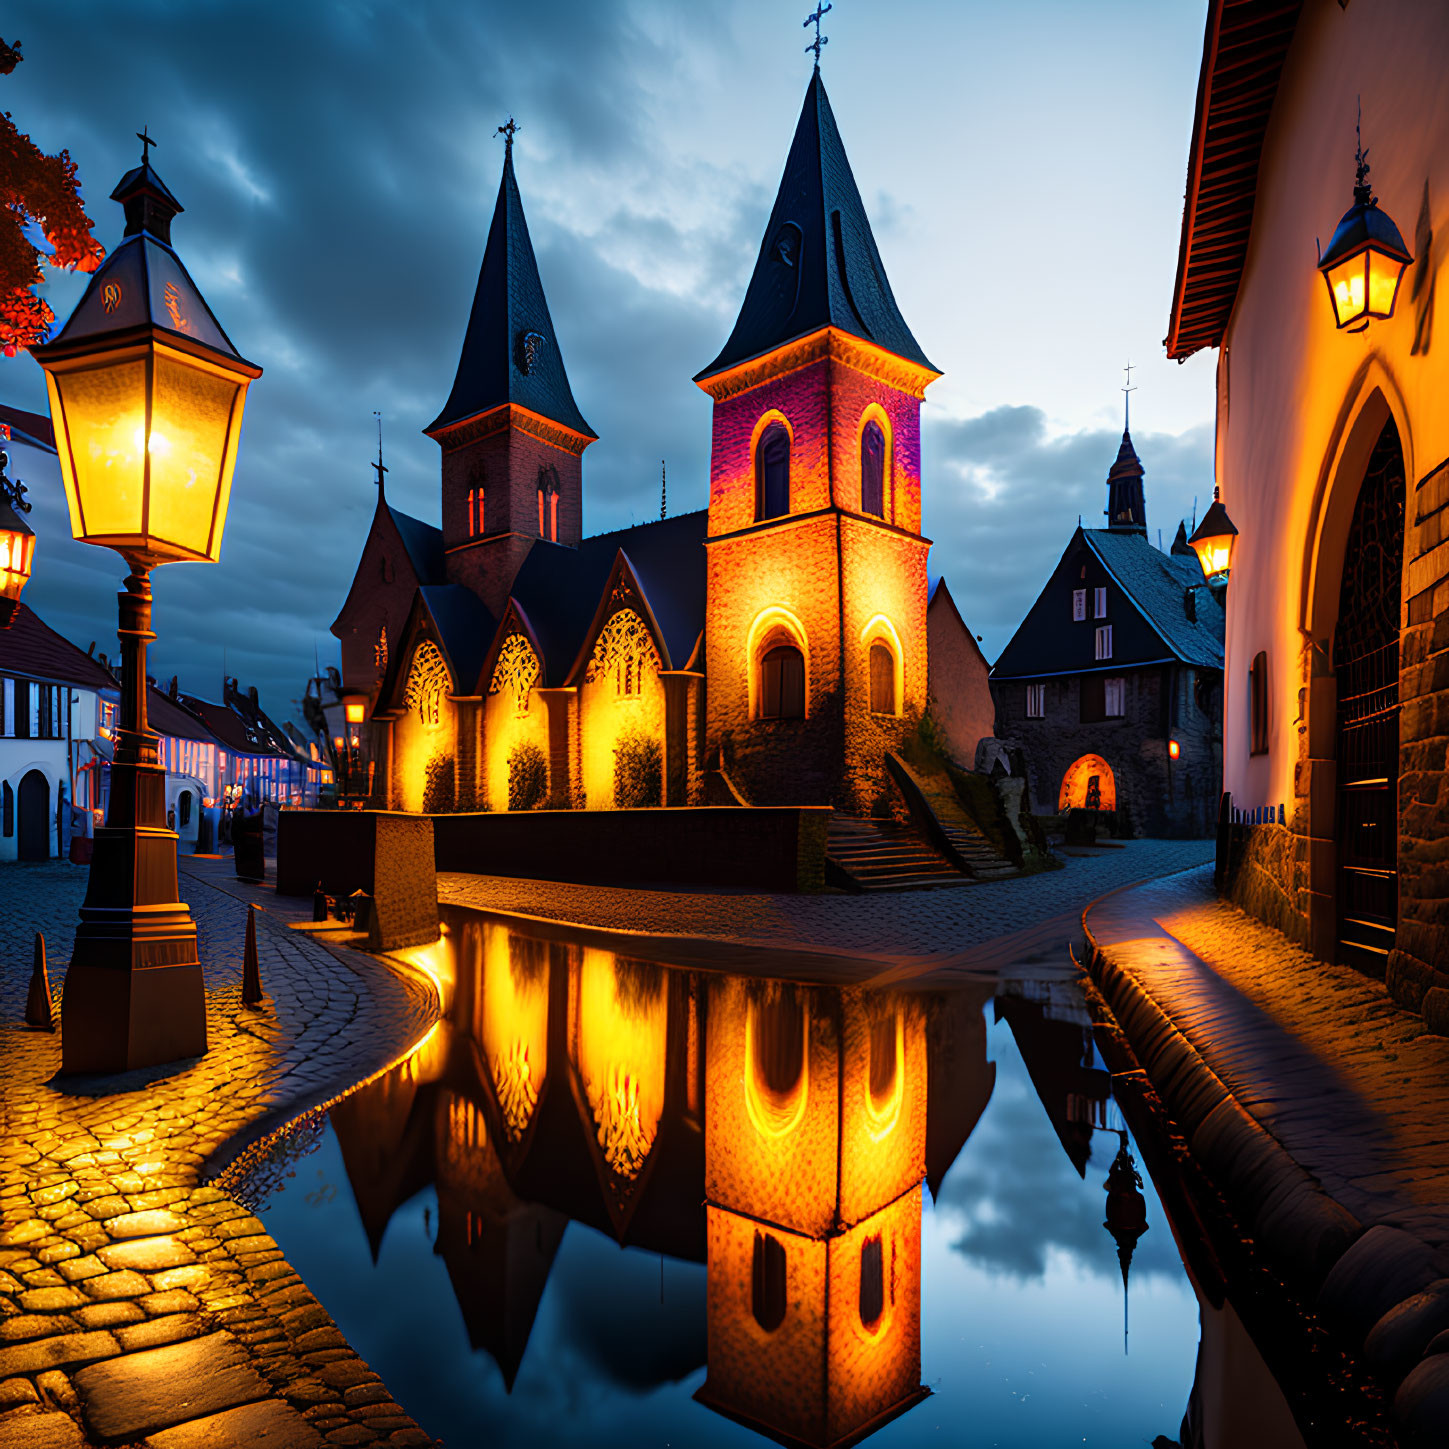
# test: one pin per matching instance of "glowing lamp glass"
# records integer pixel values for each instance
(355, 713)
(1174, 750)
(17, 551)
(1364, 286)
(1213, 540)
(147, 437)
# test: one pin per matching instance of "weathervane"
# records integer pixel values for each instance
(506, 130)
(820, 40)
(1127, 399)
(146, 144)
(377, 466)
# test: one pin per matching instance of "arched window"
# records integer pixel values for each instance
(1258, 703)
(428, 682)
(782, 683)
(548, 504)
(872, 1282)
(767, 1282)
(183, 815)
(882, 679)
(872, 470)
(475, 512)
(772, 473)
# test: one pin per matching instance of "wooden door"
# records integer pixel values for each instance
(34, 823)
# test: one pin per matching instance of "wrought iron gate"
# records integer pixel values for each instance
(1366, 661)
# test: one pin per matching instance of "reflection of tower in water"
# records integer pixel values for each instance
(1126, 1215)
(814, 1150)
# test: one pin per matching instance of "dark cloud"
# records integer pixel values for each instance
(1018, 1198)
(1003, 493)
(338, 166)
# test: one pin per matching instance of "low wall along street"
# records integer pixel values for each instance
(767, 848)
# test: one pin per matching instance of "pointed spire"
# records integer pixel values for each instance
(1126, 505)
(1180, 545)
(510, 350)
(1126, 1215)
(378, 466)
(818, 264)
(663, 493)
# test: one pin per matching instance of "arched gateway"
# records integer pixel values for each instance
(1088, 785)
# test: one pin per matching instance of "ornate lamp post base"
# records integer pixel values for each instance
(134, 995)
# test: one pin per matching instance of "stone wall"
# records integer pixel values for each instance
(1263, 869)
(1156, 795)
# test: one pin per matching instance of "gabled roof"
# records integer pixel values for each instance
(1243, 50)
(818, 264)
(510, 350)
(240, 736)
(943, 598)
(169, 716)
(559, 589)
(32, 649)
(1157, 583)
(464, 628)
(424, 545)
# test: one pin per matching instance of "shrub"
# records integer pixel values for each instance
(638, 771)
(527, 777)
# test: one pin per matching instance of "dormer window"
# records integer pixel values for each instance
(772, 473)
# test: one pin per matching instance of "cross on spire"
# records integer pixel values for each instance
(146, 143)
(378, 466)
(506, 130)
(1127, 392)
(820, 40)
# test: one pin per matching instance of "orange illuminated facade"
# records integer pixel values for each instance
(773, 647)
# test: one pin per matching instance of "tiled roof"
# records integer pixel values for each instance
(32, 649)
(465, 627)
(1157, 582)
(168, 716)
(818, 264)
(559, 588)
(424, 544)
(1244, 47)
(510, 350)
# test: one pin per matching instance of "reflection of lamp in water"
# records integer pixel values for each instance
(1126, 1215)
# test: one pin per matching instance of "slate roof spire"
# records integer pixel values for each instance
(818, 264)
(1126, 506)
(510, 350)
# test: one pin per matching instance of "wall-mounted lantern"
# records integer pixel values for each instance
(17, 544)
(1365, 259)
(1213, 540)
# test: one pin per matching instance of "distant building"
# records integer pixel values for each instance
(1113, 681)
(50, 715)
(257, 759)
(960, 683)
(778, 638)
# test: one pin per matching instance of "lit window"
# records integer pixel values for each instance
(882, 680)
(872, 470)
(1079, 604)
(1099, 603)
(772, 473)
(1258, 703)
(548, 504)
(1114, 698)
(1036, 701)
(1104, 641)
(782, 683)
(475, 512)
(767, 1282)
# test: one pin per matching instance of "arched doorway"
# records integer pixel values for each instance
(1366, 666)
(34, 812)
(1088, 785)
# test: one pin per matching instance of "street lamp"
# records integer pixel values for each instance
(1365, 259)
(1213, 541)
(146, 393)
(17, 544)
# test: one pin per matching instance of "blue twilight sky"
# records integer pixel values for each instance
(1023, 167)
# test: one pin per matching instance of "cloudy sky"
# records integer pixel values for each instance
(1022, 165)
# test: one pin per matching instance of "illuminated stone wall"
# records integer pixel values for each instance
(620, 697)
(377, 607)
(425, 737)
(1300, 406)
(513, 716)
(817, 577)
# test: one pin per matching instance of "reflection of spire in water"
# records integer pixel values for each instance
(1126, 1216)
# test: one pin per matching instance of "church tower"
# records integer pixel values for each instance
(1126, 505)
(816, 633)
(512, 436)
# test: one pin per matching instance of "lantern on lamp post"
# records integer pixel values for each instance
(17, 543)
(1365, 259)
(1213, 540)
(146, 393)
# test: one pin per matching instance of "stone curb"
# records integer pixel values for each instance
(1381, 1289)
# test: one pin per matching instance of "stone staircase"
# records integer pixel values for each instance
(977, 853)
(873, 855)
(946, 824)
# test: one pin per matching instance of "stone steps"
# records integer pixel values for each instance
(875, 856)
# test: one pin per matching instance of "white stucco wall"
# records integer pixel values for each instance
(1293, 433)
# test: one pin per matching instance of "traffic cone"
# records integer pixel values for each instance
(251, 971)
(38, 1011)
